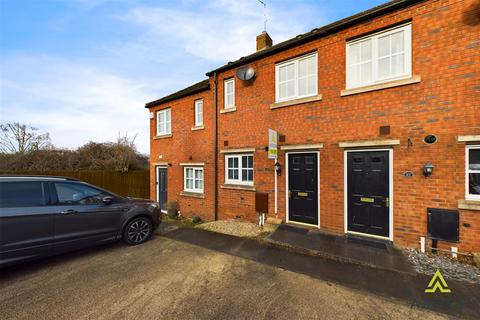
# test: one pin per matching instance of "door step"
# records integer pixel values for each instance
(369, 242)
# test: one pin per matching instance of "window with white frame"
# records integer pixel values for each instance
(193, 179)
(381, 57)
(199, 113)
(239, 169)
(296, 78)
(473, 172)
(229, 88)
(164, 123)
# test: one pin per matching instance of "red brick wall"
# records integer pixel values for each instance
(446, 54)
(185, 146)
(445, 103)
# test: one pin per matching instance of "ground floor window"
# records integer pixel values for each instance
(473, 172)
(193, 179)
(239, 169)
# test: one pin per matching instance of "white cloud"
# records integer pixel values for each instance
(74, 103)
(221, 30)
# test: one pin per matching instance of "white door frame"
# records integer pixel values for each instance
(158, 183)
(390, 175)
(286, 186)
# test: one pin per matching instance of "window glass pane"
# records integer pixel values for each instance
(235, 174)
(474, 183)
(312, 66)
(354, 51)
(354, 75)
(76, 194)
(302, 86)
(250, 161)
(366, 72)
(398, 64)
(199, 184)
(188, 172)
(290, 88)
(397, 42)
(383, 46)
(474, 159)
(282, 88)
(198, 174)
(230, 174)
(384, 67)
(190, 184)
(302, 68)
(366, 50)
(230, 162)
(167, 115)
(21, 194)
(312, 85)
(250, 175)
(245, 175)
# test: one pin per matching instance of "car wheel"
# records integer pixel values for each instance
(138, 231)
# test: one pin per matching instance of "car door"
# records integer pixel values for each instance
(26, 221)
(82, 218)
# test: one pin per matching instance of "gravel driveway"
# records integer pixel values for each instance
(166, 279)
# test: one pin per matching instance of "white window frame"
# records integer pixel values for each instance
(168, 124)
(469, 196)
(194, 179)
(225, 104)
(198, 110)
(407, 28)
(239, 181)
(296, 80)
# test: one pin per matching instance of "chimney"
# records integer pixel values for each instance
(263, 41)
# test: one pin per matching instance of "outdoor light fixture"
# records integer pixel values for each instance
(428, 169)
(278, 168)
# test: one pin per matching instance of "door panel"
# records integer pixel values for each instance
(303, 187)
(368, 192)
(81, 218)
(26, 221)
(162, 185)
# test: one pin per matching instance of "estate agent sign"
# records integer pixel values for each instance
(272, 144)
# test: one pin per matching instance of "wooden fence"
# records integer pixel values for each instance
(132, 183)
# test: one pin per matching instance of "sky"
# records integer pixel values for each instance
(83, 70)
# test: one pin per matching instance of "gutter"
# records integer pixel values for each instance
(320, 32)
(215, 147)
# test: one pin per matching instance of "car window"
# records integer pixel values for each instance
(78, 194)
(22, 194)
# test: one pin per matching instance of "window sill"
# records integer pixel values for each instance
(293, 102)
(227, 110)
(381, 86)
(469, 204)
(198, 128)
(192, 194)
(163, 136)
(238, 187)
(471, 138)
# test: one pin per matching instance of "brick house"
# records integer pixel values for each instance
(362, 107)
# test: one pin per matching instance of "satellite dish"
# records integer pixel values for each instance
(245, 73)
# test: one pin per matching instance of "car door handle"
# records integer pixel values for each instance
(69, 211)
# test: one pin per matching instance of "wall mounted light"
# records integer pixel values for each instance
(428, 169)
(278, 168)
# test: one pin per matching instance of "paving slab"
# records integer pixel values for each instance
(373, 253)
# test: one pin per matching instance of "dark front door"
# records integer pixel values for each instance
(162, 187)
(368, 192)
(303, 187)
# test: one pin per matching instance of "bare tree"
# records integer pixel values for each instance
(21, 138)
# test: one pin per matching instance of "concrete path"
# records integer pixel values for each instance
(167, 278)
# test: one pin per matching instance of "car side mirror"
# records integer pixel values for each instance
(107, 200)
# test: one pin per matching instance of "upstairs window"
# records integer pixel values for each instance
(473, 172)
(382, 57)
(296, 78)
(164, 123)
(239, 169)
(229, 87)
(193, 179)
(198, 113)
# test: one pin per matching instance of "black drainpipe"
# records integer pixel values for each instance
(215, 130)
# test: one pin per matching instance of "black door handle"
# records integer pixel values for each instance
(69, 211)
